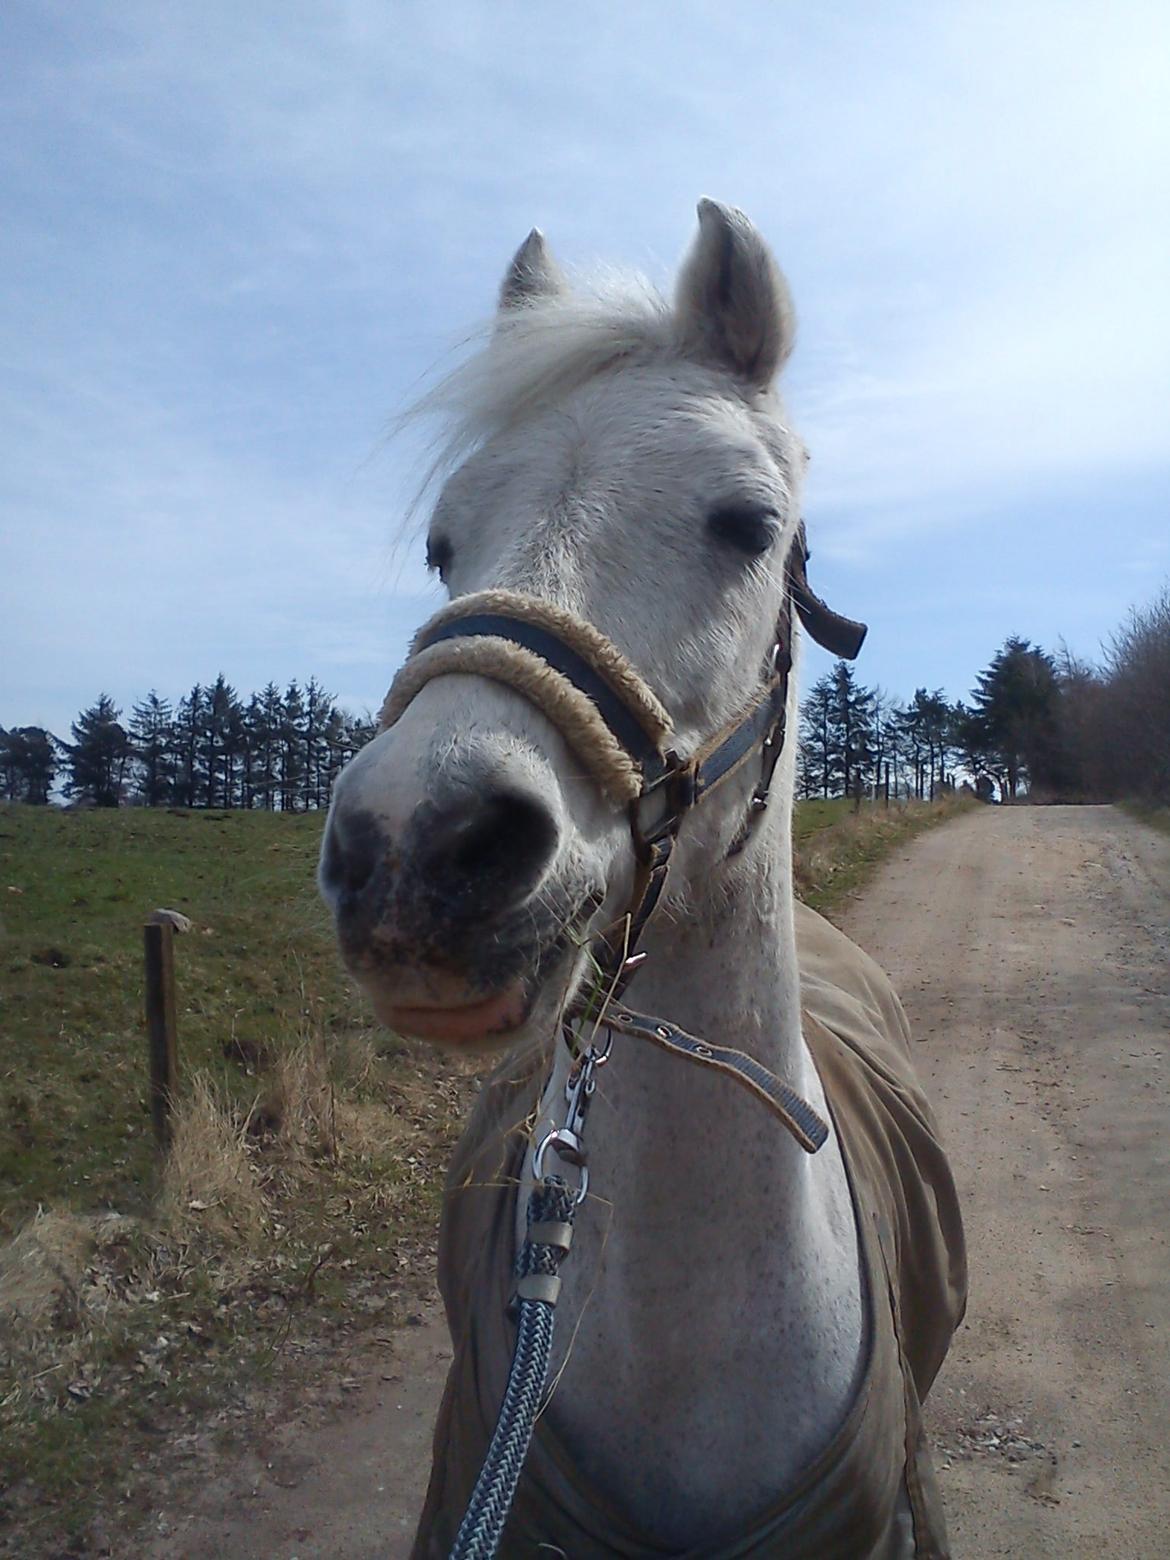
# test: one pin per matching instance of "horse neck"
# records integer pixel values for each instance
(722, 964)
(713, 1255)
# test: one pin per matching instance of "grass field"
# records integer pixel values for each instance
(300, 1203)
(257, 967)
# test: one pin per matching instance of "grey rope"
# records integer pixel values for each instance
(550, 1210)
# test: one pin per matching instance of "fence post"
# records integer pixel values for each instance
(158, 941)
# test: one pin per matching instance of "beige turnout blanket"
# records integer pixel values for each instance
(871, 1494)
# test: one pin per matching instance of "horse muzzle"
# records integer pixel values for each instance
(455, 919)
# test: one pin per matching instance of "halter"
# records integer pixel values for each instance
(619, 729)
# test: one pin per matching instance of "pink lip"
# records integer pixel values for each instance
(469, 1021)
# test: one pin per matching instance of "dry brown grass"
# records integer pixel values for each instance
(211, 1183)
(42, 1269)
(303, 1215)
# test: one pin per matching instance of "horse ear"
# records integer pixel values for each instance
(732, 303)
(533, 275)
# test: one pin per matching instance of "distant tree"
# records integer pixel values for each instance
(279, 750)
(1016, 704)
(188, 747)
(816, 739)
(885, 741)
(292, 747)
(222, 738)
(851, 725)
(29, 760)
(265, 719)
(345, 735)
(1083, 718)
(152, 740)
(1137, 673)
(99, 755)
(318, 708)
(972, 741)
(249, 752)
(928, 722)
(9, 766)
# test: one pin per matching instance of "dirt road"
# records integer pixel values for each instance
(1032, 949)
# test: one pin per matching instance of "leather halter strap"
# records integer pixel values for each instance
(805, 1124)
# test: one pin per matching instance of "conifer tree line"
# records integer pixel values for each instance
(278, 750)
(1052, 725)
(858, 741)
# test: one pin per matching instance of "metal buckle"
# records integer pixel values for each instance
(678, 781)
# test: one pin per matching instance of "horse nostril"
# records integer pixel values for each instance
(499, 844)
(351, 852)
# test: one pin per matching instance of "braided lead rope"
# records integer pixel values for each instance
(550, 1230)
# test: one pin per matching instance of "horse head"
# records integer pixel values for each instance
(623, 462)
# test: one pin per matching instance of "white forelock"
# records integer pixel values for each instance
(532, 355)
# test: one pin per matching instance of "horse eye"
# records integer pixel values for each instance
(439, 555)
(746, 526)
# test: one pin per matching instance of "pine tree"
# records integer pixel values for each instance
(1016, 705)
(152, 738)
(99, 755)
(816, 738)
(292, 747)
(851, 728)
(318, 709)
(221, 736)
(188, 744)
(928, 723)
(885, 743)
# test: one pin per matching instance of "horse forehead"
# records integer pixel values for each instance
(616, 434)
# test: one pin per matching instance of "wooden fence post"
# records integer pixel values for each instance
(158, 940)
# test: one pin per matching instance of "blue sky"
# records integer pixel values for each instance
(236, 239)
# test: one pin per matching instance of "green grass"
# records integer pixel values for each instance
(75, 887)
(811, 816)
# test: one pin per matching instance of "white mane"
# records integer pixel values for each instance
(531, 355)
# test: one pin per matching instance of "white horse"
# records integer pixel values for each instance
(746, 1329)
